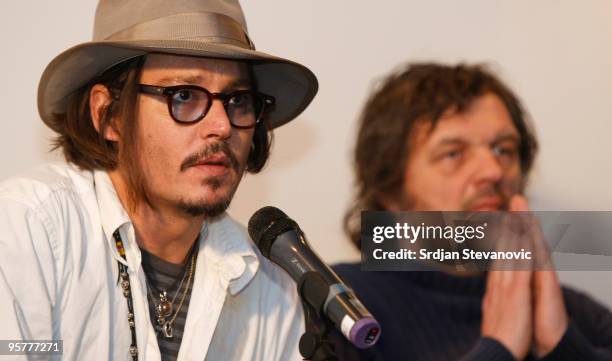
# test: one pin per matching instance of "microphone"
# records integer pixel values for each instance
(280, 239)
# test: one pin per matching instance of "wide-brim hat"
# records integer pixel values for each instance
(125, 29)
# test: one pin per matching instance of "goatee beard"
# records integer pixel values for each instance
(208, 209)
(214, 209)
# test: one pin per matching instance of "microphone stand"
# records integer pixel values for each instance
(315, 343)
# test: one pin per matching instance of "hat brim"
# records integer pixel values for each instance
(292, 84)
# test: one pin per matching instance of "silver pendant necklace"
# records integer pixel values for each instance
(164, 307)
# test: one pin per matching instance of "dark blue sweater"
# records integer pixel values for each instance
(434, 316)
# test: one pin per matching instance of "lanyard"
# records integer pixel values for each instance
(124, 280)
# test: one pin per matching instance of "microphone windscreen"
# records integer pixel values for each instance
(266, 224)
(262, 219)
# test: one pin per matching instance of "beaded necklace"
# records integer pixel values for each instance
(124, 280)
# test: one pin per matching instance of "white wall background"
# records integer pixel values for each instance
(556, 54)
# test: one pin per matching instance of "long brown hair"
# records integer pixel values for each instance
(418, 92)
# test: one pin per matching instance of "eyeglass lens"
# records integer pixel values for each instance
(242, 107)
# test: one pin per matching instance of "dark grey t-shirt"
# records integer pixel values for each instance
(167, 276)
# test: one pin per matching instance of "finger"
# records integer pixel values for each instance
(533, 237)
(496, 283)
(530, 237)
(545, 281)
(518, 203)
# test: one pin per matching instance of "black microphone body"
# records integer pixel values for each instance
(281, 240)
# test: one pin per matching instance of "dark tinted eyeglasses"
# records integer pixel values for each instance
(189, 104)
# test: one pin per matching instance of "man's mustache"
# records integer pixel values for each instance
(209, 151)
(492, 191)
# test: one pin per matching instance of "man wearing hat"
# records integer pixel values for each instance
(126, 251)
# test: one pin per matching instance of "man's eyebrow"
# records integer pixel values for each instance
(506, 137)
(456, 140)
(191, 79)
(239, 83)
(449, 141)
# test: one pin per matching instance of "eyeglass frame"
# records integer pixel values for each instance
(168, 91)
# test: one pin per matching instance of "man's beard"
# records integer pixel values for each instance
(217, 207)
(207, 209)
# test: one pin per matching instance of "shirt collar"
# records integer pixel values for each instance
(227, 245)
(112, 214)
(222, 240)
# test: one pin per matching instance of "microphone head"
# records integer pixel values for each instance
(262, 219)
(266, 224)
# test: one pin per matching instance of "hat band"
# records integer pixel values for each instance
(210, 27)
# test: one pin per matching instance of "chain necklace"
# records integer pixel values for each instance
(124, 281)
(163, 307)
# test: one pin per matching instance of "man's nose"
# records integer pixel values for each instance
(216, 123)
(488, 166)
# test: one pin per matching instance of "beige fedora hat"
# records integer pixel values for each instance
(124, 29)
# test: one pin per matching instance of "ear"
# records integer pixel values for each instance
(100, 99)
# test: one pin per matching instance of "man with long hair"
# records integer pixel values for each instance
(455, 138)
(126, 251)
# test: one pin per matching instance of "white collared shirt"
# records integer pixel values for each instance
(58, 278)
